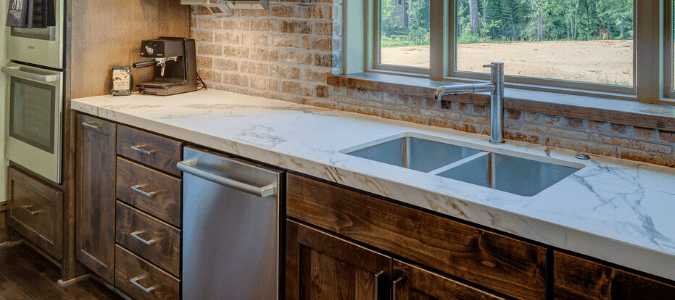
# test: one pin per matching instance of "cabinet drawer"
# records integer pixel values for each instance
(148, 237)
(153, 192)
(150, 149)
(36, 211)
(141, 280)
(506, 265)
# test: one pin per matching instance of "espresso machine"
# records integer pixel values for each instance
(175, 63)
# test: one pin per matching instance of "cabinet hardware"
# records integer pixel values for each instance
(136, 234)
(92, 124)
(144, 149)
(395, 283)
(137, 188)
(378, 277)
(135, 282)
(32, 212)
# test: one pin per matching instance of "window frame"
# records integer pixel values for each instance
(651, 80)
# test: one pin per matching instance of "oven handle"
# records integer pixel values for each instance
(14, 71)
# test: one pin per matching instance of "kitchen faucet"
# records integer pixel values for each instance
(496, 89)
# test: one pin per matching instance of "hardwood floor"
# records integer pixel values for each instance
(26, 275)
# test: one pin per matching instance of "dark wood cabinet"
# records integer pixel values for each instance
(415, 283)
(95, 242)
(36, 211)
(506, 265)
(323, 266)
(578, 278)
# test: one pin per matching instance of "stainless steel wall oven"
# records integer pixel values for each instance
(35, 97)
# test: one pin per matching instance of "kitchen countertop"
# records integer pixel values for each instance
(615, 210)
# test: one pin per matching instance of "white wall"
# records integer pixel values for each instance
(3, 96)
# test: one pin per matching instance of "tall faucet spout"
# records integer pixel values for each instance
(496, 89)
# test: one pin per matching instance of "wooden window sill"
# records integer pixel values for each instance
(623, 112)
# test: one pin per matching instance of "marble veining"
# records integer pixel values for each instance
(616, 210)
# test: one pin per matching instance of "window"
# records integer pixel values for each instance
(598, 46)
(404, 37)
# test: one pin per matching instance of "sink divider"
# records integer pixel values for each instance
(457, 163)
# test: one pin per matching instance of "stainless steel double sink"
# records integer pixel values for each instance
(512, 174)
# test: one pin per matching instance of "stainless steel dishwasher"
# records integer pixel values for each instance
(232, 212)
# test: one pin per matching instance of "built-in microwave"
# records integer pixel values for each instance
(35, 97)
(39, 46)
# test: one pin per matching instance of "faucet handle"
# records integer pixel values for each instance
(489, 66)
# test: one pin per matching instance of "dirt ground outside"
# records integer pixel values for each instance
(604, 61)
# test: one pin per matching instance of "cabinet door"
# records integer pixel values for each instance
(323, 266)
(578, 278)
(96, 196)
(413, 283)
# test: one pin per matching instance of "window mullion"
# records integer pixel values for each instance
(439, 16)
(647, 53)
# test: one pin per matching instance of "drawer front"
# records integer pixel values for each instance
(36, 211)
(150, 149)
(148, 237)
(501, 263)
(148, 190)
(141, 280)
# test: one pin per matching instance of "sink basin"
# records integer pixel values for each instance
(414, 153)
(510, 174)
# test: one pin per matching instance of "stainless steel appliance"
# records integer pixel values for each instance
(175, 63)
(35, 95)
(39, 46)
(35, 119)
(232, 212)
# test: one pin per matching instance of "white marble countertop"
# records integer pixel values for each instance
(615, 210)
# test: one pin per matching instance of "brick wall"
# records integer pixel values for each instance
(285, 52)
(288, 51)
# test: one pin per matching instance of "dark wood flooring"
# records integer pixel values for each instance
(26, 275)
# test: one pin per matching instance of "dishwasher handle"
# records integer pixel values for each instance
(189, 166)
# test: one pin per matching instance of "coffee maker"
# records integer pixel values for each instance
(175, 63)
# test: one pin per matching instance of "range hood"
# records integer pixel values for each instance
(225, 8)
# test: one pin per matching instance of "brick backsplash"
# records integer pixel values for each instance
(288, 51)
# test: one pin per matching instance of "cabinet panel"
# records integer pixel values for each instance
(323, 266)
(501, 263)
(95, 240)
(141, 280)
(414, 283)
(578, 278)
(150, 149)
(36, 211)
(148, 190)
(149, 238)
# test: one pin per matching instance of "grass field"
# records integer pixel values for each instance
(604, 61)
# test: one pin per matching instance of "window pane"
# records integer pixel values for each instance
(404, 33)
(578, 40)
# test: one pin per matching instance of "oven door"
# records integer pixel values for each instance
(35, 119)
(39, 46)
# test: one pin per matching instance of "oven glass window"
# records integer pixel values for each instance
(32, 113)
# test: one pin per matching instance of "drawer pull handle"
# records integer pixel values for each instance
(135, 282)
(378, 277)
(92, 124)
(144, 149)
(396, 282)
(137, 189)
(32, 212)
(136, 234)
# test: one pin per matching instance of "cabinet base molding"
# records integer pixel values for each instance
(64, 283)
(9, 244)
